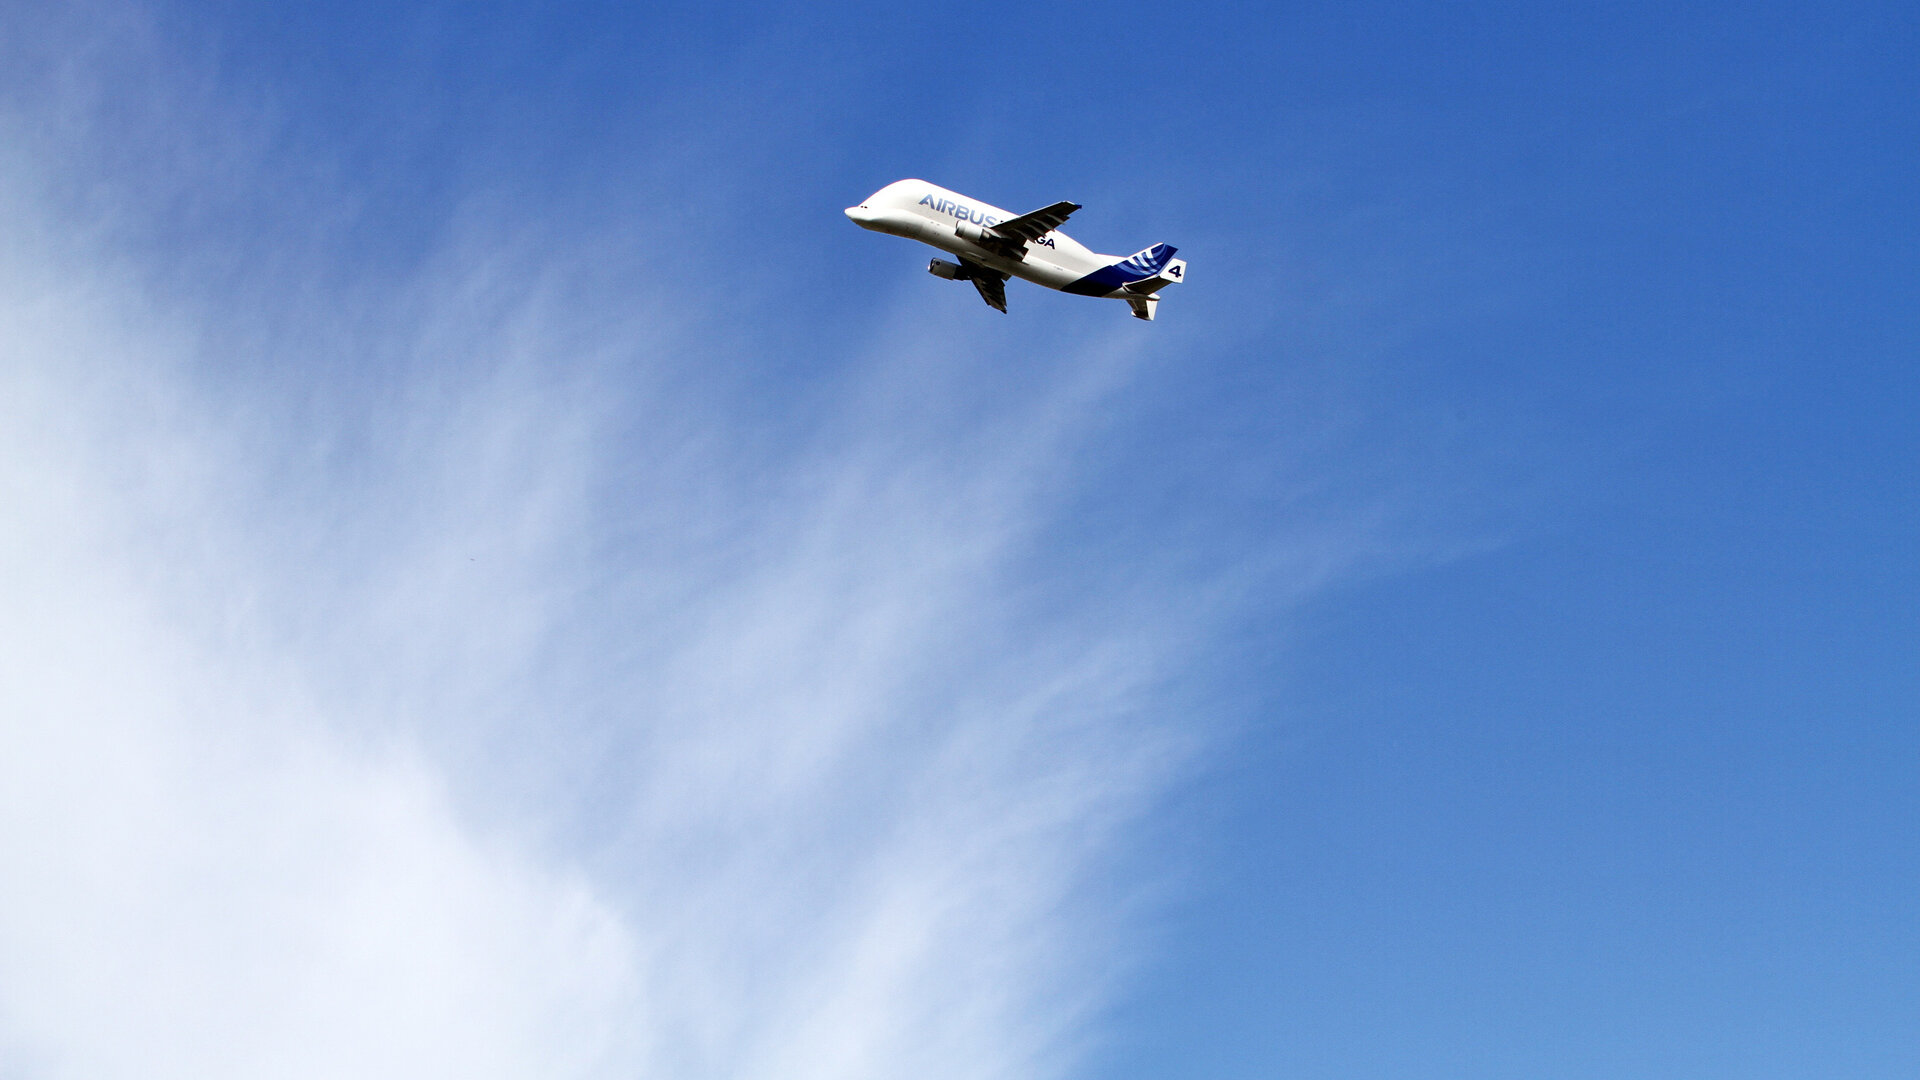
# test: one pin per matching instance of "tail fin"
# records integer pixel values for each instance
(1147, 262)
(1151, 270)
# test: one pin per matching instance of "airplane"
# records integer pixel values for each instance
(994, 245)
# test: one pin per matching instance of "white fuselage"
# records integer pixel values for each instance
(929, 213)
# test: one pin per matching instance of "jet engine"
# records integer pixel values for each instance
(987, 238)
(967, 230)
(941, 268)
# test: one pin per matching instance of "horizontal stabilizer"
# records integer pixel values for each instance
(1174, 272)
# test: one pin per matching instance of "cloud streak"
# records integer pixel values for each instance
(452, 679)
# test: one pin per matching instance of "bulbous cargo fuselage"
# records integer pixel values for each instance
(986, 237)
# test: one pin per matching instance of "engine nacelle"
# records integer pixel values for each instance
(941, 268)
(967, 230)
(1004, 246)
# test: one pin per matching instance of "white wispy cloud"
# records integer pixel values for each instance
(443, 679)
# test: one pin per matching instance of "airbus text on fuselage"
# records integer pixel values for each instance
(993, 245)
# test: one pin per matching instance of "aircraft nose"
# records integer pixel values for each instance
(861, 215)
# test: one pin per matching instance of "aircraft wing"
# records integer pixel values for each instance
(1033, 226)
(991, 283)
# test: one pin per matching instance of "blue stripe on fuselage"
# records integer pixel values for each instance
(1101, 281)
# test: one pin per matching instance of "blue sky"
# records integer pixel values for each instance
(504, 579)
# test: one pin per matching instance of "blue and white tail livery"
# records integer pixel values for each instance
(1149, 262)
(993, 245)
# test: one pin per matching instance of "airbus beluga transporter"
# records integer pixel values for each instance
(994, 245)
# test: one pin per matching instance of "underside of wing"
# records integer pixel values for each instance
(1030, 227)
(991, 283)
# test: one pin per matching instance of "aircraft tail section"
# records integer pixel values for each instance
(1172, 274)
(1138, 276)
(1160, 269)
(1146, 262)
